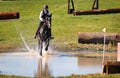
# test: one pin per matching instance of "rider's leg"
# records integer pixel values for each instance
(50, 34)
(49, 30)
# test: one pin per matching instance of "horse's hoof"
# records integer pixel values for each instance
(46, 49)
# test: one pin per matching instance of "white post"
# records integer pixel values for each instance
(104, 30)
(118, 52)
(103, 51)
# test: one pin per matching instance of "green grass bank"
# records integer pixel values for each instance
(64, 27)
(72, 76)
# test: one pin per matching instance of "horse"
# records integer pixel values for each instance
(43, 36)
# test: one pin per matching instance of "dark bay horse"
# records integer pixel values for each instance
(43, 36)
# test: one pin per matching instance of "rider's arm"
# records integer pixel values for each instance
(40, 16)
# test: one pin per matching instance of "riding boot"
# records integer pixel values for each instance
(50, 36)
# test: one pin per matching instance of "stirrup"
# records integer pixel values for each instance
(51, 38)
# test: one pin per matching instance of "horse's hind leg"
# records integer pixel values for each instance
(40, 46)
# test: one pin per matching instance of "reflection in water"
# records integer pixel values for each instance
(39, 71)
(82, 61)
(43, 69)
(89, 65)
(58, 64)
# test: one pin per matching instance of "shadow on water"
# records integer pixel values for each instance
(55, 64)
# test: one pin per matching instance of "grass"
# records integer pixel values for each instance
(73, 76)
(64, 27)
(11, 76)
(94, 76)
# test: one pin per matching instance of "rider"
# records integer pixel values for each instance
(43, 14)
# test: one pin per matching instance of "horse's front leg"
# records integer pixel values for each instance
(40, 43)
(46, 44)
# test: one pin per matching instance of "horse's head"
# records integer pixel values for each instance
(44, 29)
(48, 20)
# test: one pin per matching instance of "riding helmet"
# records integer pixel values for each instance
(45, 6)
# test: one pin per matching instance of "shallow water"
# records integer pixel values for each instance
(57, 64)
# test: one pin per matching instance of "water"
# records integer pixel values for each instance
(56, 64)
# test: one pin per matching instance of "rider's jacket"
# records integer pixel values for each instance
(43, 14)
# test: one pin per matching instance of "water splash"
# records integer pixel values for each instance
(31, 50)
(28, 48)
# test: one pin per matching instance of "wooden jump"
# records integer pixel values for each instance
(9, 15)
(95, 37)
(111, 67)
(95, 11)
(70, 10)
